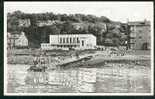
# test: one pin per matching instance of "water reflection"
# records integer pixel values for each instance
(113, 78)
(33, 78)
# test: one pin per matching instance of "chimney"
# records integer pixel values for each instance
(127, 20)
(145, 21)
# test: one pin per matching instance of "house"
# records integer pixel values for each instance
(140, 35)
(78, 26)
(70, 41)
(42, 23)
(11, 38)
(22, 41)
(24, 22)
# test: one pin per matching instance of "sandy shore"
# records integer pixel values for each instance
(62, 57)
(26, 56)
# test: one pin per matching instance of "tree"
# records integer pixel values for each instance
(73, 18)
(104, 19)
(113, 32)
(67, 28)
(33, 20)
(54, 30)
(34, 36)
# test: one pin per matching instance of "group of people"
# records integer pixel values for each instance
(39, 61)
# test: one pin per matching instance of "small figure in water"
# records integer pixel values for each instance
(42, 61)
(35, 60)
(77, 55)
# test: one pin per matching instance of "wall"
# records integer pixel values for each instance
(89, 40)
(21, 41)
(54, 39)
(142, 35)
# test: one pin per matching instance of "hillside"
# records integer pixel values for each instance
(43, 24)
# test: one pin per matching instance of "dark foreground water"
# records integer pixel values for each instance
(113, 78)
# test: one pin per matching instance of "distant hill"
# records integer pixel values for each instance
(44, 24)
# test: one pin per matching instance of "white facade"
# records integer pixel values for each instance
(22, 41)
(24, 22)
(73, 41)
(45, 23)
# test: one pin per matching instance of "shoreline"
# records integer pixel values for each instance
(26, 57)
(96, 62)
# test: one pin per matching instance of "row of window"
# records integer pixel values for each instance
(140, 31)
(69, 40)
(60, 46)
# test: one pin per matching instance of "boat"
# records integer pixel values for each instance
(37, 69)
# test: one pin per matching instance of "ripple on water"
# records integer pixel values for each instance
(113, 78)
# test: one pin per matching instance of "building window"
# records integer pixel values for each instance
(132, 29)
(67, 40)
(70, 40)
(63, 40)
(74, 40)
(140, 31)
(140, 37)
(60, 40)
(78, 40)
(82, 43)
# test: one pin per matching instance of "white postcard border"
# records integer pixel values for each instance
(76, 94)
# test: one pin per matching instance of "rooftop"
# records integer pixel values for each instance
(74, 34)
(139, 23)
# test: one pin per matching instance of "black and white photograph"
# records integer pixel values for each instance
(78, 48)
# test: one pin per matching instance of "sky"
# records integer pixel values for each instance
(116, 11)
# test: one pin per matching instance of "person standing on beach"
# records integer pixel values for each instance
(38, 61)
(35, 60)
